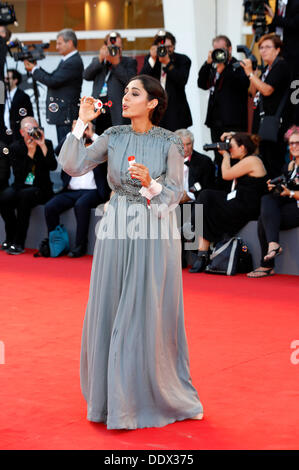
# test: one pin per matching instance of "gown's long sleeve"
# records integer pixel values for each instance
(76, 159)
(170, 188)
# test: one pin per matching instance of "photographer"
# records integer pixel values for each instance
(110, 72)
(5, 35)
(172, 70)
(226, 213)
(32, 159)
(64, 83)
(285, 23)
(4, 182)
(269, 91)
(279, 210)
(199, 174)
(227, 106)
(16, 99)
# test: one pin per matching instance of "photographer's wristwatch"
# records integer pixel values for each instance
(292, 194)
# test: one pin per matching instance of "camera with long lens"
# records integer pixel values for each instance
(30, 52)
(161, 49)
(217, 146)
(254, 12)
(35, 132)
(113, 49)
(287, 180)
(248, 55)
(7, 14)
(220, 56)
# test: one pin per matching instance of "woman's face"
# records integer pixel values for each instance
(135, 103)
(236, 151)
(294, 145)
(268, 51)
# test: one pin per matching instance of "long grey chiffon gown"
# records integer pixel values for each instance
(134, 359)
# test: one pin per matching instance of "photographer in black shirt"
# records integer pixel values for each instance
(227, 106)
(269, 91)
(32, 158)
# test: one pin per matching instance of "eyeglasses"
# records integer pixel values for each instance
(293, 144)
(266, 47)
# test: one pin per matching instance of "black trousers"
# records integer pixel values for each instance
(277, 213)
(15, 208)
(82, 200)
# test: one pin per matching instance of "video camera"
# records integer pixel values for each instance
(254, 12)
(113, 50)
(287, 180)
(217, 146)
(161, 49)
(7, 14)
(30, 52)
(248, 55)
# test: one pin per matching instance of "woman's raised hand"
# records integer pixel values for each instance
(87, 111)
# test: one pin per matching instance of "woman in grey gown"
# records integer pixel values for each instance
(134, 359)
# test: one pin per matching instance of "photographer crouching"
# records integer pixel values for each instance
(32, 158)
(279, 209)
(226, 213)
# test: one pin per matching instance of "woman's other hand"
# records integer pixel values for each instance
(141, 173)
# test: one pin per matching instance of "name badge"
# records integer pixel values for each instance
(231, 195)
(30, 179)
(104, 90)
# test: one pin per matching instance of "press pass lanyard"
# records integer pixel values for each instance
(104, 90)
(257, 97)
(31, 176)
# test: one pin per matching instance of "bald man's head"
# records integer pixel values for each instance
(28, 121)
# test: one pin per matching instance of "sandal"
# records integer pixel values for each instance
(258, 273)
(273, 253)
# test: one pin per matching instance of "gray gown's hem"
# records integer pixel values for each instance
(163, 423)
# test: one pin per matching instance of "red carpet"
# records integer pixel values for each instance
(239, 333)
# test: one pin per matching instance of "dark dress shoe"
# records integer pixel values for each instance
(77, 252)
(5, 245)
(200, 260)
(15, 250)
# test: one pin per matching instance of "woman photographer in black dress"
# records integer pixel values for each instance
(279, 210)
(227, 213)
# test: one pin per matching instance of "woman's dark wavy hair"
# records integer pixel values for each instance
(250, 141)
(154, 90)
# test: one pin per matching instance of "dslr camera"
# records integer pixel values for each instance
(248, 55)
(7, 14)
(35, 132)
(161, 48)
(113, 49)
(217, 146)
(30, 52)
(220, 56)
(287, 180)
